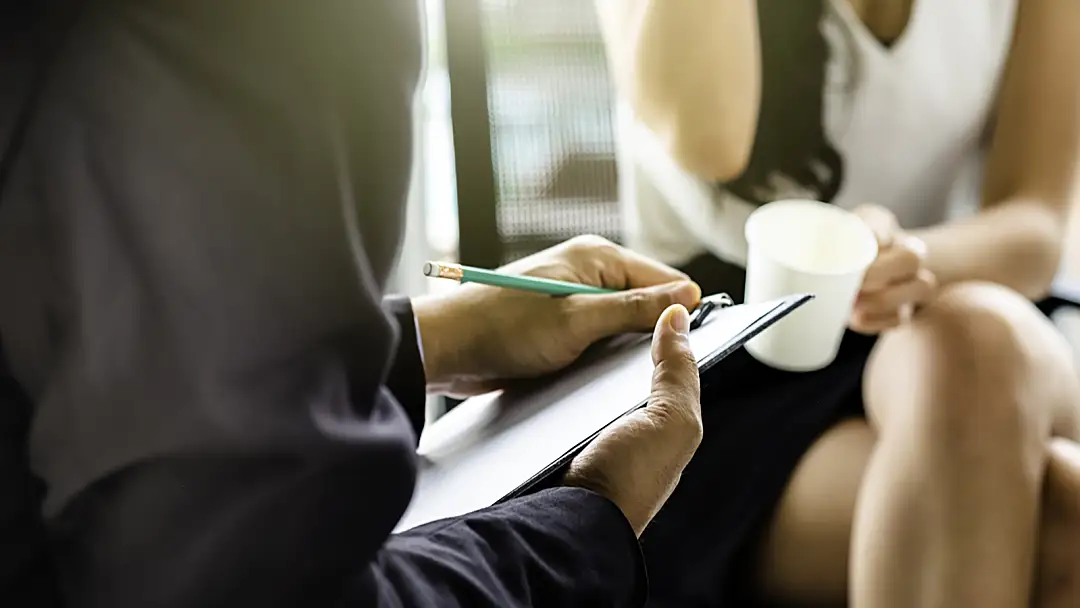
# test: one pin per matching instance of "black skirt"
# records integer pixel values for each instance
(758, 422)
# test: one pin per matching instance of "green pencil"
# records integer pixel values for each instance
(466, 274)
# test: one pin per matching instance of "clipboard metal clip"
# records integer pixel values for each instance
(707, 306)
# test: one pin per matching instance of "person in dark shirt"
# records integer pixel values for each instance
(196, 228)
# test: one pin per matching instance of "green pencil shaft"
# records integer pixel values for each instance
(534, 284)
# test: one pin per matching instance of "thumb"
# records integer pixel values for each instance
(633, 310)
(676, 391)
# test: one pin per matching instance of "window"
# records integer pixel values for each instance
(551, 125)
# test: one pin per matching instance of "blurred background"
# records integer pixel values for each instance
(516, 149)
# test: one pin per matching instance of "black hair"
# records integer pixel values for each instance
(791, 140)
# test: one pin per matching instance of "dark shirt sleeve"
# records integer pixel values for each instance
(220, 533)
(406, 378)
(197, 236)
(569, 547)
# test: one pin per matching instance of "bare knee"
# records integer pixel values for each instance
(979, 367)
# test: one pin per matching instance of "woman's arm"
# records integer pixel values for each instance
(691, 70)
(1033, 167)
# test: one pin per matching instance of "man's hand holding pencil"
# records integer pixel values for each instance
(479, 334)
(539, 314)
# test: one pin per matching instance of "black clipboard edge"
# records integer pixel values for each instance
(784, 308)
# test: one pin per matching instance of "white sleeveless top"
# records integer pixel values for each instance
(909, 121)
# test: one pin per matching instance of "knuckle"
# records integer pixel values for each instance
(924, 292)
(588, 243)
(672, 417)
(871, 282)
(869, 303)
(875, 215)
(676, 399)
(916, 245)
(861, 324)
(929, 282)
(554, 269)
(868, 209)
(597, 268)
(663, 300)
(586, 321)
(677, 378)
(690, 429)
(571, 313)
(910, 257)
(642, 305)
(683, 358)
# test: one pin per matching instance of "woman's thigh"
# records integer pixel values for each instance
(1002, 344)
(803, 556)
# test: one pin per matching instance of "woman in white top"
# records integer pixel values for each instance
(937, 459)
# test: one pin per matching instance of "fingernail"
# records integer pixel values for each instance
(680, 320)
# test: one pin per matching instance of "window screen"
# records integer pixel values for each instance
(550, 106)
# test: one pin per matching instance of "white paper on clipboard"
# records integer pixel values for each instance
(494, 446)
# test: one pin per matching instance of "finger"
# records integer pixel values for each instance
(676, 392)
(881, 221)
(642, 271)
(634, 310)
(905, 312)
(897, 264)
(874, 324)
(623, 268)
(913, 291)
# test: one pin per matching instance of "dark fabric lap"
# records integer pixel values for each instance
(758, 423)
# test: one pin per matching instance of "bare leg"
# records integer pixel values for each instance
(1058, 579)
(964, 400)
(814, 520)
(803, 558)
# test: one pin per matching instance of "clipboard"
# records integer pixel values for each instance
(499, 446)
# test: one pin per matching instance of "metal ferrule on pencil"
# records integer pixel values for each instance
(443, 271)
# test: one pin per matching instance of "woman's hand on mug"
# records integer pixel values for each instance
(897, 282)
